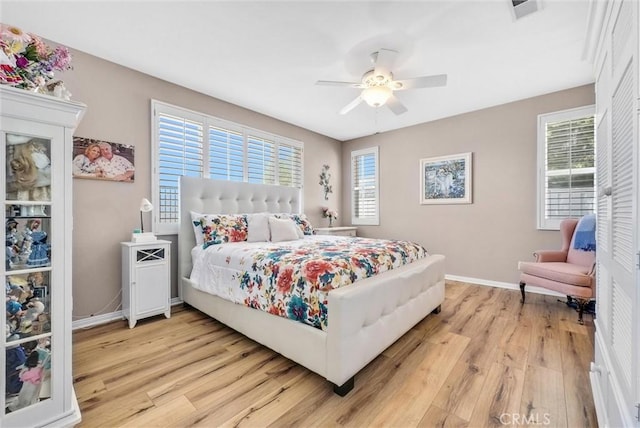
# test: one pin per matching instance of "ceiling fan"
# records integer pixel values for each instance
(378, 84)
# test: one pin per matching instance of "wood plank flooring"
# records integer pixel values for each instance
(485, 360)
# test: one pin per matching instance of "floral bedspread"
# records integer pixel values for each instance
(292, 279)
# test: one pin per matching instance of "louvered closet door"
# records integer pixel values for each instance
(617, 213)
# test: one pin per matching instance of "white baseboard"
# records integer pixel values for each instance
(109, 317)
(115, 316)
(507, 285)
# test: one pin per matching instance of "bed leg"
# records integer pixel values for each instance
(437, 310)
(344, 389)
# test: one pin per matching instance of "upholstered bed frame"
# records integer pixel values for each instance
(395, 300)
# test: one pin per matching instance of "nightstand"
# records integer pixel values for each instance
(338, 230)
(146, 283)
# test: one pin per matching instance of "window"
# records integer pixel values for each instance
(364, 187)
(566, 166)
(194, 144)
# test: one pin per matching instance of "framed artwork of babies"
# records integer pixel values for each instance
(103, 160)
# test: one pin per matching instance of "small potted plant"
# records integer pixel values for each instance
(330, 214)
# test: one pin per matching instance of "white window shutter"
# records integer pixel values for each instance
(226, 154)
(364, 187)
(180, 152)
(290, 165)
(567, 166)
(188, 143)
(261, 160)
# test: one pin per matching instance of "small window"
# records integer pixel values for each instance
(364, 187)
(566, 166)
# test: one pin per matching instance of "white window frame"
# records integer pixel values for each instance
(366, 221)
(544, 223)
(159, 107)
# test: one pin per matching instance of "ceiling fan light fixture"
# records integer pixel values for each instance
(376, 96)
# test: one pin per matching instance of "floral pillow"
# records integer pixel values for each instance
(301, 220)
(222, 228)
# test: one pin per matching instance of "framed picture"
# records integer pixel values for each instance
(102, 160)
(446, 179)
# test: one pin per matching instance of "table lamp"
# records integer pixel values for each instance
(142, 236)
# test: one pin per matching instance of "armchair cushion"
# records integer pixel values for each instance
(566, 273)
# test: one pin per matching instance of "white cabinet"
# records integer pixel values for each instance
(615, 374)
(145, 280)
(36, 133)
(338, 230)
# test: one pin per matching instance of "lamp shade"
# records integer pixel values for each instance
(376, 96)
(145, 205)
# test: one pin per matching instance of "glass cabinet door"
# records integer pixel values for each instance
(27, 271)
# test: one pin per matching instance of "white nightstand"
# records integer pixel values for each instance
(146, 280)
(338, 230)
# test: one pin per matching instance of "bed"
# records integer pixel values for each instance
(364, 319)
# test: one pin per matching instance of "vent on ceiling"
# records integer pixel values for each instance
(524, 7)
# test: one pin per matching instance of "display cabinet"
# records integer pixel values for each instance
(36, 133)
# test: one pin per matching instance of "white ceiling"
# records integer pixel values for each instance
(266, 56)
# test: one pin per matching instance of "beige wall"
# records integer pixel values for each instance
(485, 239)
(105, 213)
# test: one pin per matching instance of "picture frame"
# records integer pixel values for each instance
(446, 179)
(116, 163)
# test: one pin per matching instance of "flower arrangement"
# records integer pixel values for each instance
(330, 214)
(324, 181)
(27, 62)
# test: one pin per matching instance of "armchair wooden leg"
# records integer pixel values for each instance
(522, 284)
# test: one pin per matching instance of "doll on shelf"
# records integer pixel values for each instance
(39, 251)
(11, 242)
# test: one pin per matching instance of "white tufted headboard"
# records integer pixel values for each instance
(207, 196)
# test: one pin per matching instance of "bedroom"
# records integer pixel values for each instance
(118, 100)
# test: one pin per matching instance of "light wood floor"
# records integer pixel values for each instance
(485, 360)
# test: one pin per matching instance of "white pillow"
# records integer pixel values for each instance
(197, 229)
(283, 229)
(258, 227)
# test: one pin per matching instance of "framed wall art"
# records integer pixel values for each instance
(446, 179)
(102, 160)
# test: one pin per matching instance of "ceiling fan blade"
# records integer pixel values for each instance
(384, 61)
(353, 104)
(395, 105)
(336, 83)
(420, 82)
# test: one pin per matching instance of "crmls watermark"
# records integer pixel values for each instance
(531, 419)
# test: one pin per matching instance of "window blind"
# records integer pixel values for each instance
(180, 152)
(193, 144)
(290, 165)
(226, 154)
(364, 188)
(261, 160)
(568, 178)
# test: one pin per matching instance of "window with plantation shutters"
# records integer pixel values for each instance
(194, 144)
(364, 187)
(566, 166)
(180, 152)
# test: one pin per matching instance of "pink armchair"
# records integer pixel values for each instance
(568, 271)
